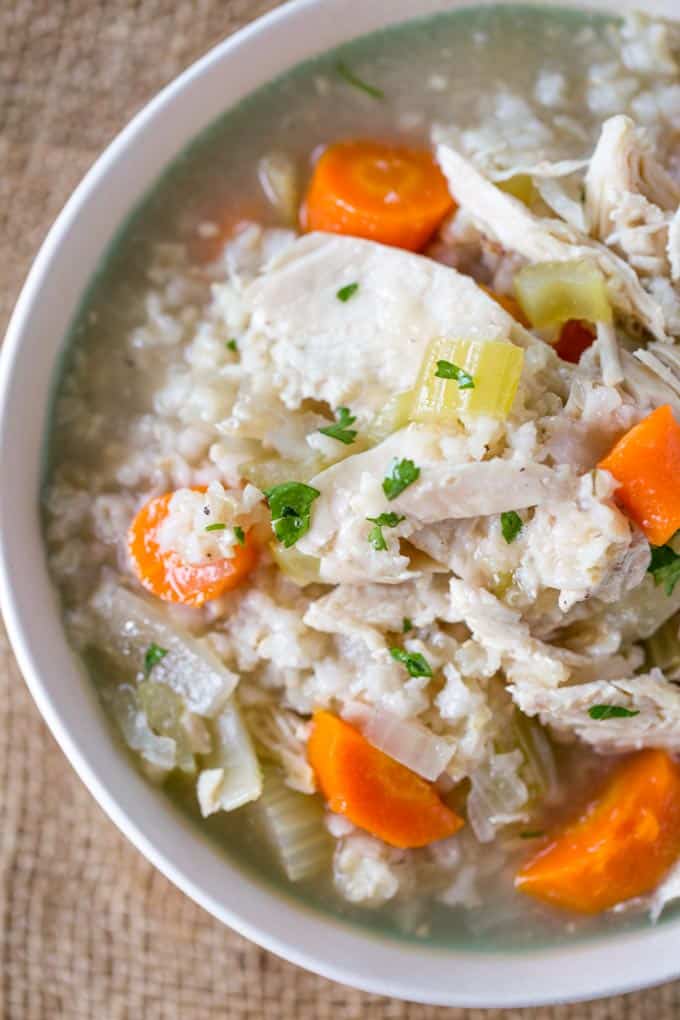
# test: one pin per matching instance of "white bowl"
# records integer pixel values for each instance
(48, 302)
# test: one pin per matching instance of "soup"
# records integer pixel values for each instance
(361, 496)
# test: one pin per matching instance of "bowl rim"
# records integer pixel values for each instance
(320, 943)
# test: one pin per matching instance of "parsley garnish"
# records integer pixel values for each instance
(511, 525)
(375, 535)
(416, 664)
(402, 474)
(406, 625)
(232, 345)
(152, 656)
(291, 507)
(339, 429)
(215, 527)
(533, 834)
(345, 293)
(352, 79)
(239, 535)
(447, 370)
(665, 567)
(611, 712)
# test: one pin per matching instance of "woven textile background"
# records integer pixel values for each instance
(89, 930)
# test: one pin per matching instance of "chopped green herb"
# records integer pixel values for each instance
(152, 656)
(215, 527)
(416, 664)
(511, 525)
(352, 79)
(611, 712)
(339, 430)
(345, 293)
(406, 625)
(239, 535)
(291, 507)
(534, 834)
(375, 535)
(402, 474)
(447, 370)
(665, 567)
(232, 345)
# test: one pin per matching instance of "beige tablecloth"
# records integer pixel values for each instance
(89, 930)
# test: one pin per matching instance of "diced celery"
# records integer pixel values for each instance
(393, 416)
(296, 824)
(520, 186)
(495, 368)
(164, 709)
(663, 648)
(299, 568)
(551, 293)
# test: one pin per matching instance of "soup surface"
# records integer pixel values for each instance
(361, 496)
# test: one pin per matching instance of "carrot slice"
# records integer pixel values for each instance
(373, 790)
(167, 576)
(385, 193)
(646, 464)
(509, 303)
(621, 847)
(575, 338)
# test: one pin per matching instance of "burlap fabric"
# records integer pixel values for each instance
(89, 930)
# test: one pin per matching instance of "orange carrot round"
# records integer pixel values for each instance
(385, 193)
(373, 790)
(646, 464)
(621, 847)
(575, 338)
(167, 576)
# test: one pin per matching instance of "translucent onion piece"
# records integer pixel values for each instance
(190, 667)
(265, 474)
(540, 769)
(495, 368)
(164, 710)
(550, 293)
(299, 568)
(138, 735)
(278, 178)
(296, 824)
(520, 186)
(663, 649)
(393, 416)
(498, 795)
(234, 755)
(408, 742)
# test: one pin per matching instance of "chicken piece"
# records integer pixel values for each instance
(509, 222)
(323, 348)
(450, 485)
(653, 700)
(630, 198)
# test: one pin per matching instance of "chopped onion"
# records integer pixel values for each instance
(299, 568)
(164, 710)
(160, 751)
(265, 474)
(540, 769)
(296, 824)
(234, 756)
(551, 293)
(663, 649)
(190, 667)
(495, 368)
(408, 742)
(278, 177)
(498, 795)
